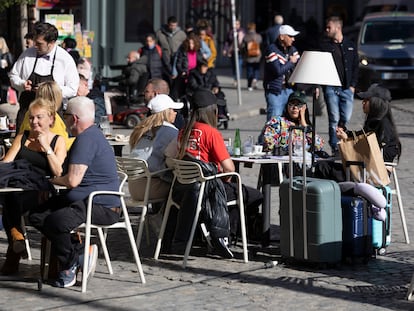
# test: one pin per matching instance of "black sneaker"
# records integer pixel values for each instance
(221, 247)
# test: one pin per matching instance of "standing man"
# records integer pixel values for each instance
(280, 60)
(91, 167)
(170, 37)
(339, 99)
(45, 61)
(273, 32)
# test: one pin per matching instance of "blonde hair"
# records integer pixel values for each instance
(46, 104)
(152, 123)
(3, 46)
(50, 90)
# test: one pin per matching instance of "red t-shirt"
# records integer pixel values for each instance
(207, 144)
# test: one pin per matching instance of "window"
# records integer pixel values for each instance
(138, 19)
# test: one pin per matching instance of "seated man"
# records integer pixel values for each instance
(130, 79)
(91, 167)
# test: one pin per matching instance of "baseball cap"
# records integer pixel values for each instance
(375, 90)
(203, 98)
(288, 30)
(299, 96)
(162, 102)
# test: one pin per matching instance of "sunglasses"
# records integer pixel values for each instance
(298, 105)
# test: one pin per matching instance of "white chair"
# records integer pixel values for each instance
(136, 169)
(188, 172)
(391, 166)
(123, 222)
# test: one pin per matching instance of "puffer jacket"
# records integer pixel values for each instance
(278, 68)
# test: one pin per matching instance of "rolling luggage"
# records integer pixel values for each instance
(310, 217)
(357, 229)
(356, 224)
(381, 230)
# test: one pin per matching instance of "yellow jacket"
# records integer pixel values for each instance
(210, 43)
(58, 128)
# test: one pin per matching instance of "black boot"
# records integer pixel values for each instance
(11, 265)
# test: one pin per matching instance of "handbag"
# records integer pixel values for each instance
(11, 96)
(364, 148)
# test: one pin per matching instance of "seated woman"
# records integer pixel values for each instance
(276, 131)
(149, 141)
(46, 152)
(376, 106)
(51, 91)
(201, 140)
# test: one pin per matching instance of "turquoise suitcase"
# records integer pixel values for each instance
(381, 230)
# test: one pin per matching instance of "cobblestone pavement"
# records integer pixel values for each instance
(210, 283)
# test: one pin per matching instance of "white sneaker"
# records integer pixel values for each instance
(250, 89)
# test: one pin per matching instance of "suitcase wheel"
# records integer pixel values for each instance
(382, 251)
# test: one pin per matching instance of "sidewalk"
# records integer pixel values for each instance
(216, 284)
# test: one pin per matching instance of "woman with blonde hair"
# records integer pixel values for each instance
(6, 59)
(45, 151)
(149, 141)
(51, 91)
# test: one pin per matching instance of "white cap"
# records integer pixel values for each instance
(288, 30)
(162, 102)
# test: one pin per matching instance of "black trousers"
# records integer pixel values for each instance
(57, 218)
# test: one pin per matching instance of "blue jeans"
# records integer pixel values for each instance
(233, 66)
(276, 103)
(252, 72)
(339, 104)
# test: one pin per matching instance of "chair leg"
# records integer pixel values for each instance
(134, 248)
(102, 239)
(141, 226)
(26, 239)
(410, 291)
(86, 258)
(242, 222)
(163, 226)
(193, 228)
(400, 205)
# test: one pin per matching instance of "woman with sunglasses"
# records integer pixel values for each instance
(276, 131)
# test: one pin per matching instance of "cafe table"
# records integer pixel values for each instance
(265, 176)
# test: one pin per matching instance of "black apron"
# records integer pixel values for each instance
(26, 97)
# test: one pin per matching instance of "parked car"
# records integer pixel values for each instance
(386, 50)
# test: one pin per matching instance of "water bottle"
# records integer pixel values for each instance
(237, 144)
(248, 145)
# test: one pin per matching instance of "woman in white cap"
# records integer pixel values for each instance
(149, 141)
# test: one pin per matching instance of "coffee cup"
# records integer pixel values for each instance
(257, 149)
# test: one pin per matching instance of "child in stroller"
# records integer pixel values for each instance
(203, 77)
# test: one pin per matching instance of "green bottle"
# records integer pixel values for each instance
(237, 144)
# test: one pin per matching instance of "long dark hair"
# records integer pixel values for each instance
(380, 109)
(207, 115)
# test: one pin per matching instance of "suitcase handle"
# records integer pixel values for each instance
(305, 229)
(348, 164)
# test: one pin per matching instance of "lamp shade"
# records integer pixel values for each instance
(316, 68)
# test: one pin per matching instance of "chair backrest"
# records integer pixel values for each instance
(133, 167)
(187, 172)
(122, 179)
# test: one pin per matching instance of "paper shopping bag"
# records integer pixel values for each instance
(365, 148)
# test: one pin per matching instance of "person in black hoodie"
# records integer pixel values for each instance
(376, 106)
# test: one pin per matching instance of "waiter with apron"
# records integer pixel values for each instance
(45, 61)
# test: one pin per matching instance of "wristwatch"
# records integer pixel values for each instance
(49, 151)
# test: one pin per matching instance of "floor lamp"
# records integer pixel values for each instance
(315, 68)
